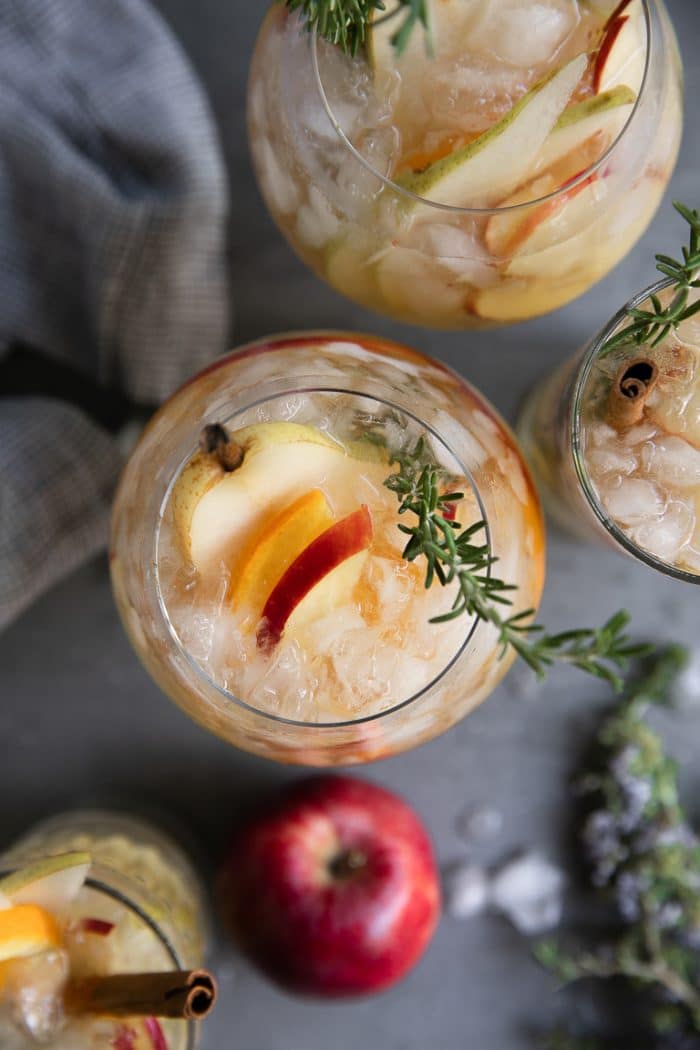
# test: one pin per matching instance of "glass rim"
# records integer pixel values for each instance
(583, 372)
(100, 886)
(455, 209)
(319, 727)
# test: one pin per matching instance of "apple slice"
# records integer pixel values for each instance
(622, 53)
(273, 550)
(493, 165)
(52, 883)
(139, 1035)
(281, 461)
(521, 300)
(346, 538)
(26, 929)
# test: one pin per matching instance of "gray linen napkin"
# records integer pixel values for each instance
(113, 206)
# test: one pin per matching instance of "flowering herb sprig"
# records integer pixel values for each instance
(346, 22)
(651, 327)
(452, 554)
(642, 853)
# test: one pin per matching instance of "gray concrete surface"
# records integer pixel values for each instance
(81, 723)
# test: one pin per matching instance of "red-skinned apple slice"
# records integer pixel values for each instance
(622, 54)
(346, 538)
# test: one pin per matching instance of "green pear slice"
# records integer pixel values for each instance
(492, 166)
(52, 883)
(605, 114)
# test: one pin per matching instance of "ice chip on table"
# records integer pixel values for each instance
(666, 537)
(524, 33)
(673, 462)
(33, 993)
(529, 891)
(685, 690)
(632, 501)
(466, 889)
(476, 823)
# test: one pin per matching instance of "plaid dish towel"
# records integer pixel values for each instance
(113, 206)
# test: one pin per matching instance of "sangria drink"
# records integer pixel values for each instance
(491, 172)
(92, 894)
(614, 442)
(257, 554)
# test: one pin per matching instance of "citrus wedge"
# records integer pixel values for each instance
(274, 549)
(25, 930)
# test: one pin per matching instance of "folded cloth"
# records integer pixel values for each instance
(113, 207)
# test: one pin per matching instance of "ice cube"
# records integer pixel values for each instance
(632, 501)
(673, 461)
(34, 991)
(666, 537)
(529, 891)
(479, 822)
(524, 33)
(638, 435)
(458, 251)
(279, 187)
(610, 460)
(466, 890)
(601, 435)
(316, 223)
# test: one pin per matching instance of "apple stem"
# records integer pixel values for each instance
(216, 441)
(348, 863)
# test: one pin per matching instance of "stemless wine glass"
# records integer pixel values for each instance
(429, 189)
(613, 439)
(140, 910)
(316, 414)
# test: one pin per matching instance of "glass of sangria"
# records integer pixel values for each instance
(257, 558)
(490, 173)
(613, 439)
(85, 896)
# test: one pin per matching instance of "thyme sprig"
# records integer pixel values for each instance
(453, 554)
(651, 327)
(643, 854)
(345, 22)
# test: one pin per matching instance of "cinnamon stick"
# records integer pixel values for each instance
(631, 388)
(186, 994)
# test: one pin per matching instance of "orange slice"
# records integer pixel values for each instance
(25, 930)
(273, 550)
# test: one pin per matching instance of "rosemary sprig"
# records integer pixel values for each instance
(643, 854)
(651, 327)
(454, 554)
(345, 22)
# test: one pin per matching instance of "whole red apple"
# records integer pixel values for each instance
(333, 891)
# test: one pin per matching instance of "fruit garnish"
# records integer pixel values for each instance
(98, 926)
(26, 929)
(273, 550)
(219, 517)
(317, 563)
(498, 161)
(52, 883)
(622, 52)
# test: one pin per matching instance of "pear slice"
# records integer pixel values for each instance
(603, 116)
(52, 883)
(495, 164)
(281, 461)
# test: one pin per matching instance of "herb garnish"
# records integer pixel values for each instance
(451, 553)
(345, 22)
(651, 327)
(642, 852)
